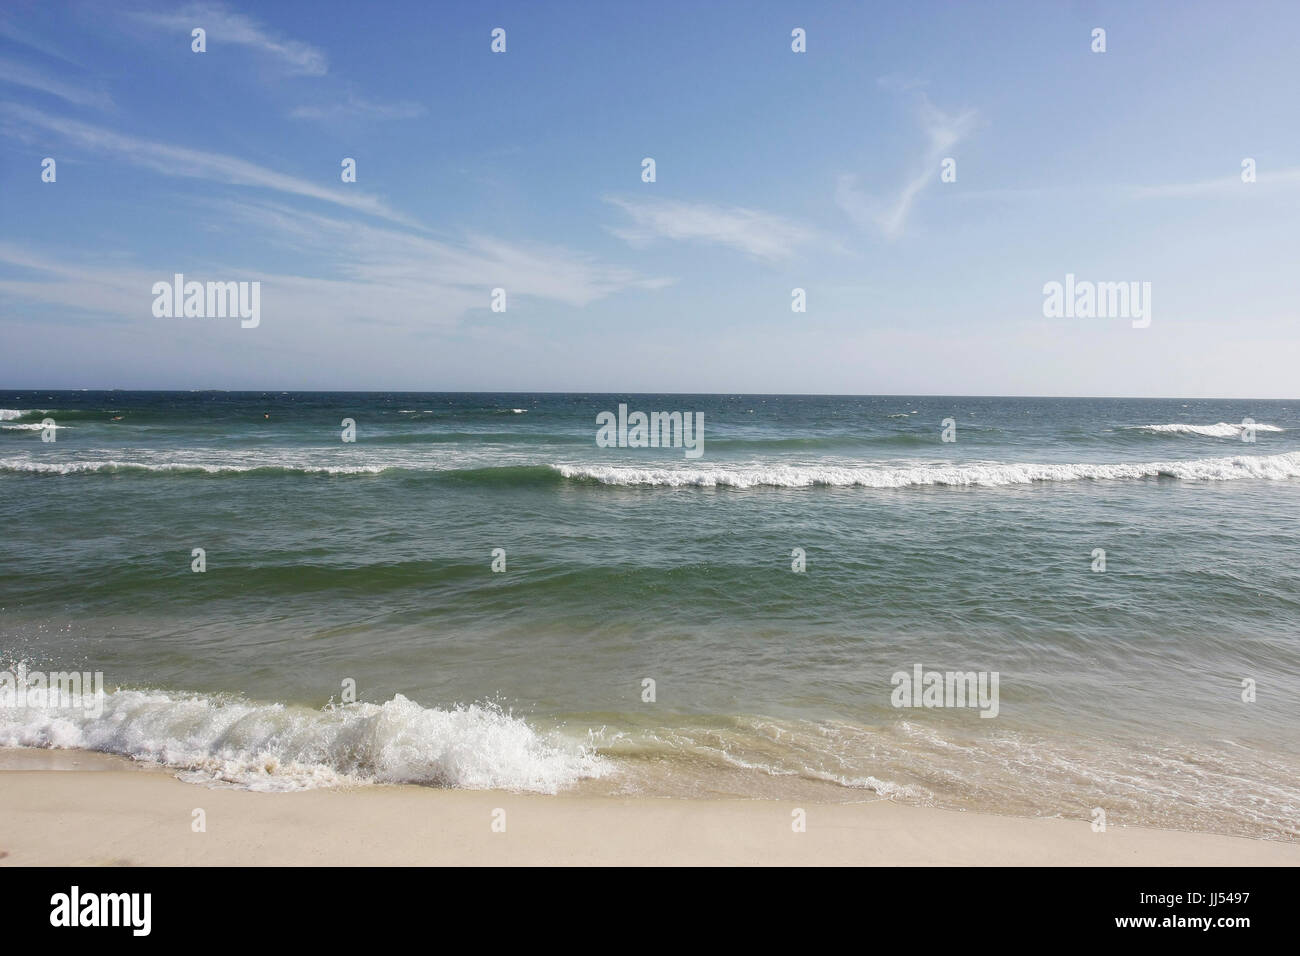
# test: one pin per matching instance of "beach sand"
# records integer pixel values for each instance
(76, 808)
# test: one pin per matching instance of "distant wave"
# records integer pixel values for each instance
(828, 442)
(262, 746)
(458, 438)
(37, 415)
(461, 411)
(1274, 467)
(1218, 430)
(986, 474)
(27, 466)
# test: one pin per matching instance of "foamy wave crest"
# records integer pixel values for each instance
(1274, 467)
(30, 427)
(9, 414)
(1218, 430)
(26, 466)
(271, 747)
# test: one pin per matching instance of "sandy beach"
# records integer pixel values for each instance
(76, 808)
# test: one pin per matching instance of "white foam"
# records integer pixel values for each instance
(24, 465)
(30, 427)
(261, 746)
(1273, 467)
(9, 414)
(1218, 430)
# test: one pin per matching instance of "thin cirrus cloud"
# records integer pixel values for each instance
(427, 266)
(757, 234)
(351, 271)
(20, 36)
(222, 25)
(17, 74)
(197, 164)
(355, 107)
(943, 131)
(1226, 187)
(88, 285)
(1268, 184)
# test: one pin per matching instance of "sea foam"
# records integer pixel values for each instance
(260, 746)
(752, 475)
(1217, 430)
(28, 466)
(1275, 467)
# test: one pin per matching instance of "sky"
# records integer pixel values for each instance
(775, 170)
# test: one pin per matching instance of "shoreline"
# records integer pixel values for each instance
(78, 808)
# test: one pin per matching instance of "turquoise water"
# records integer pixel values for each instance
(371, 561)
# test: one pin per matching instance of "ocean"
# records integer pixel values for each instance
(474, 593)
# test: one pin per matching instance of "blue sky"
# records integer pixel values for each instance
(775, 170)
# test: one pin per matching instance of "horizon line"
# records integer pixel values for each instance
(489, 391)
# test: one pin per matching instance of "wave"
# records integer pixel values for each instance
(1273, 467)
(453, 411)
(260, 746)
(505, 475)
(985, 474)
(513, 475)
(466, 438)
(27, 466)
(828, 442)
(37, 414)
(1218, 430)
(30, 427)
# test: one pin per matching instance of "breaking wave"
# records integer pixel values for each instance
(976, 474)
(260, 746)
(1218, 430)
(1273, 467)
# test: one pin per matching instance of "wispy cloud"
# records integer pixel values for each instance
(758, 234)
(357, 273)
(354, 107)
(900, 82)
(87, 285)
(942, 131)
(20, 75)
(1267, 184)
(1227, 187)
(17, 35)
(224, 26)
(379, 255)
(197, 164)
